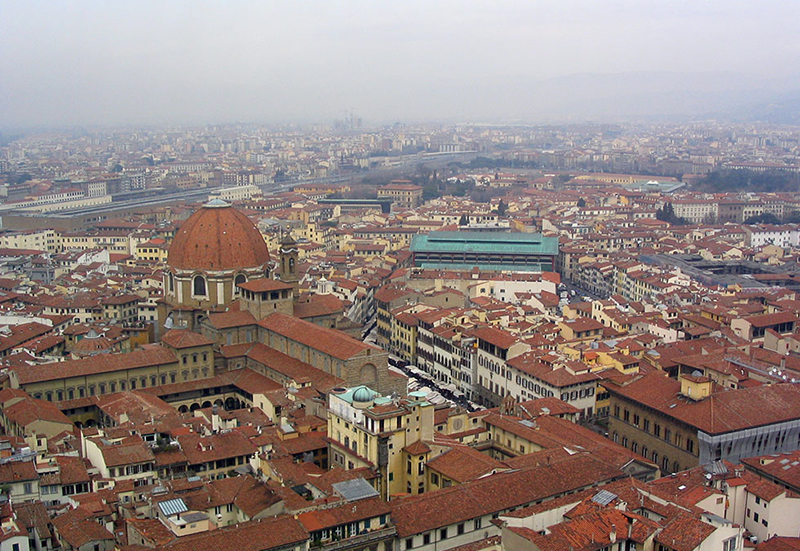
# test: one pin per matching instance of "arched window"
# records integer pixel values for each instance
(199, 286)
(236, 282)
(171, 280)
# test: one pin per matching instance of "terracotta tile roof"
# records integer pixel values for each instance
(761, 487)
(328, 341)
(562, 377)
(496, 337)
(724, 411)
(555, 406)
(199, 449)
(318, 305)
(250, 381)
(417, 448)
(686, 488)
(292, 368)
(685, 533)
(780, 543)
(765, 320)
(784, 468)
(551, 432)
(129, 452)
(33, 515)
(183, 338)
(592, 531)
(155, 531)
(77, 528)
(463, 464)
(71, 470)
(254, 496)
(25, 412)
(120, 299)
(389, 293)
(305, 442)
(22, 333)
(264, 284)
(433, 510)
(105, 363)
(167, 458)
(136, 406)
(258, 535)
(245, 379)
(226, 320)
(17, 471)
(342, 514)
(491, 542)
(581, 325)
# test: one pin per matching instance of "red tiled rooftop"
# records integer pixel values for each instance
(329, 341)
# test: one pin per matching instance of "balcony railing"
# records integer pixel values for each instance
(355, 541)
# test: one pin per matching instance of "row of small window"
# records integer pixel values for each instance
(185, 358)
(112, 386)
(495, 368)
(444, 533)
(200, 287)
(634, 447)
(129, 470)
(645, 425)
(756, 517)
(347, 530)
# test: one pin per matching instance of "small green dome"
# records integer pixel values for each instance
(362, 394)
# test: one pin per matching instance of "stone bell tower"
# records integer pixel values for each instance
(288, 258)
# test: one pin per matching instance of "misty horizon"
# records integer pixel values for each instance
(76, 63)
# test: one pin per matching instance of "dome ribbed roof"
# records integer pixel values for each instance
(362, 394)
(217, 237)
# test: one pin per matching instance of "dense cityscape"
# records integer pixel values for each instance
(433, 337)
(343, 275)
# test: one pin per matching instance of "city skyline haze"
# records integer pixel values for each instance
(79, 63)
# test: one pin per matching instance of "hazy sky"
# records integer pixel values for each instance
(140, 61)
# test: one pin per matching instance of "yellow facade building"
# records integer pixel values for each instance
(391, 435)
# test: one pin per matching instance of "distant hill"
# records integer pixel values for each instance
(635, 96)
(782, 110)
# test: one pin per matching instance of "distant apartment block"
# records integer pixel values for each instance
(403, 194)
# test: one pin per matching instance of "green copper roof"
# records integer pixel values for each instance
(486, 267)
(484, 242)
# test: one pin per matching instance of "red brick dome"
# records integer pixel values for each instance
(217, 238)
